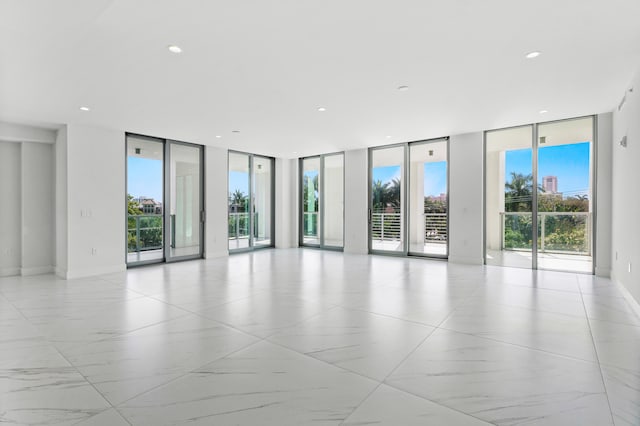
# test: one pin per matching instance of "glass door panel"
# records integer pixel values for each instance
(386, 218)
(262, 200)
(239, 220)
(428, 200)
(185, 206)
(333, 200)
(565, 201)
(145, 200)
(509, 197)
(310, 201)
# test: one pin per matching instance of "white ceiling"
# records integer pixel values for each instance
(264, 67)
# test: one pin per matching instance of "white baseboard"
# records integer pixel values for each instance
(603, 272)
(38, 270)
(9, 272)
(216, 254)
(62, 273)
(633, 303)
(466, 260)
(90, 272)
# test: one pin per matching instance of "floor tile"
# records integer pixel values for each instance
(362, 342)
(623, 388)
(389, 406)
(555, 333)
(502, 383)
(130, 364)
(263, 384)
(56, 396)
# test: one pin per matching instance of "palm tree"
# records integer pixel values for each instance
(518, 195)
(379, 195)
(239, 199)
(394, 193)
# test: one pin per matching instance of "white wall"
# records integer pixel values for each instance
(216, 188)
(10, 220)
(466, 198)
(27, 194)
(286, 203)
(38, 216)
(96, 201)
(625, 231)
(603, 194)
(356, 175)
(61, 233)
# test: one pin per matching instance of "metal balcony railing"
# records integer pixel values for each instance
(239, 225)
(385, 226)
(558, 232)
(144, 232)
(435, 228)
(310, 224)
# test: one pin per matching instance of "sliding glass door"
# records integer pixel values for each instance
(322, 199)
(408, 206)
(165, 209)
(251, 215)
(428, 199)
(542, 171)
(185, 206)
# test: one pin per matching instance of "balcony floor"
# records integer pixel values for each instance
(552, 261)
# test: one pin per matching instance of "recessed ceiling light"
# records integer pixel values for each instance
(174, 49)
(84, 108)
(403, 88)
(388, 137)
(532, 55)
(543, 111)
(218, 136)
(322, 109)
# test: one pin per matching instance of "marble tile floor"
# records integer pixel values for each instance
(310, 337)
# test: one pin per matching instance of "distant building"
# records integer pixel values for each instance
(442, 198)
(550, 184)
(148, 205)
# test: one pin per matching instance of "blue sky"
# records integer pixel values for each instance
(435, 176)
(239, 180)
(144, 178)
(570, 163)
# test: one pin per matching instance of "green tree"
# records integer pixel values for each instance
(518, 196)
(379, 195)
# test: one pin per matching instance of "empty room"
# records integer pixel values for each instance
(293, 212)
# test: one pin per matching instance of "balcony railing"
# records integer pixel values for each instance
(144, 232)
(387, 227)
(310, 224)
(558, 232)
(239, 225)
(435, 228)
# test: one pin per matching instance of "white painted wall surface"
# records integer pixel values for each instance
(216, 188)
(10, 221)
(38, 214)
(286, 203)
(466, 198)
(356, 206)
(20, 133)
(625, 230)
(61, 233)
(96, 200)
(603, 194)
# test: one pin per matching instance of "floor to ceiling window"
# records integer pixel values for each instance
(165, 207)
(542, 171)
(322, 199)
(408, 207)
(251, 215)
